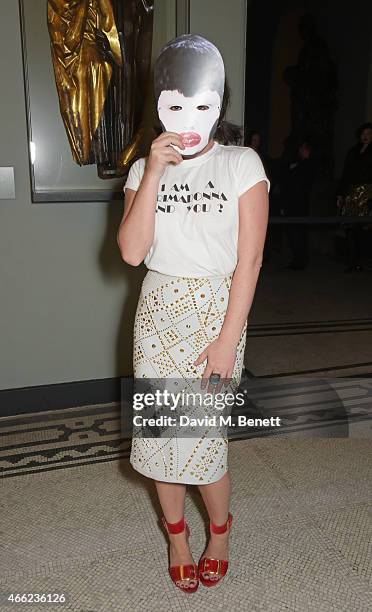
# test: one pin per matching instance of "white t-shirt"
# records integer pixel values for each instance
(197, 211)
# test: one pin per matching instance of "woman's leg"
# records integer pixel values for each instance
(172, 500)
(216, 497)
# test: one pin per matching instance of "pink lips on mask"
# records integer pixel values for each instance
(190, 139)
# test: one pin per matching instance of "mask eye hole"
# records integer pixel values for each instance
(203, 107)
(175, 108)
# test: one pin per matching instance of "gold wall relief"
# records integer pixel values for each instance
(101, 54)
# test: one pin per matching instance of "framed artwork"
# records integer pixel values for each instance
(68, 162)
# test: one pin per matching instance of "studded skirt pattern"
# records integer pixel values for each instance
(176, 319)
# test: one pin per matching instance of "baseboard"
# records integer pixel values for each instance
(28, 400)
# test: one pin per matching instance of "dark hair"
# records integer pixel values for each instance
(361, 128)
(227, 132)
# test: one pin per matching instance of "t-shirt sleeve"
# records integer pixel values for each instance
(249, 170)
(135, 175)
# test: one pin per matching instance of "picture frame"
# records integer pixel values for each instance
(54, 176)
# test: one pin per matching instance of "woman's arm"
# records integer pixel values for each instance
(136, 231)
(253, 218)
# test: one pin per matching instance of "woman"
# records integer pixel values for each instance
(196, 213)
(355, 191)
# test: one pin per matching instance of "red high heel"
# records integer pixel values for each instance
(215, 567)
(187, 572)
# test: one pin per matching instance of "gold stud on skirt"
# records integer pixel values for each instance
(176, 319)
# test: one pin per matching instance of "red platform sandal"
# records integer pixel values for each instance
(208, 566)
(182, 573)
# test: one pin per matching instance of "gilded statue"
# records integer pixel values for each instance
(101, 53)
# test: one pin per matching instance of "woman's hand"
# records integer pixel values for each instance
(221, 358)
(162, 153)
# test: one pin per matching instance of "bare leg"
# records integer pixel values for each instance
(172, 500)
(216, 497)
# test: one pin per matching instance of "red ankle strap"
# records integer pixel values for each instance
(221, 528)
(175, 527)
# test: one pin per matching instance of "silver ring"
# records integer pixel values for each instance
(214, 378)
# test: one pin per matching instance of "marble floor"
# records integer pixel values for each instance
(77, 519)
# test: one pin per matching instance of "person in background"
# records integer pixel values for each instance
(296, 183)
(355, 192)
(254, 140)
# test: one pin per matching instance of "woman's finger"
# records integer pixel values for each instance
(206, 374)
(228, 377)
(202, 357)
(168, 138)
(165, 135)
(218, 388)
(172, 156)
(169, 151)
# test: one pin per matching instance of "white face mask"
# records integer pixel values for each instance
(191, 64)
(194, 118)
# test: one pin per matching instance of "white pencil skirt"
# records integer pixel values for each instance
(176, 319)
